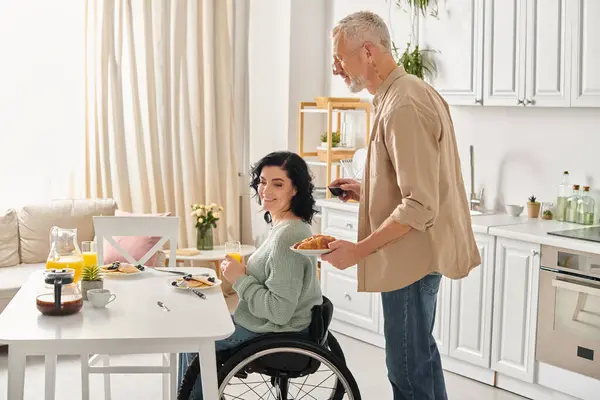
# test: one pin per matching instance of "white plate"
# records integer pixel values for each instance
(358, 162)
(175, 279)
(307, 252)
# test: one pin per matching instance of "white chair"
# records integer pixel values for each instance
(167, 228)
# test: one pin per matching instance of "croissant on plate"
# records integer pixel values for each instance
(315, 242)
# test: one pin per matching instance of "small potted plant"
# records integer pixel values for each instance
(90, 279)
(533, 207)
(335, 139)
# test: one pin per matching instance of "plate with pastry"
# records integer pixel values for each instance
(315, 245)
(120, 269)
(194, 282)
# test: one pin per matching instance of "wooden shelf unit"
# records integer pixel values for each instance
(333, 107)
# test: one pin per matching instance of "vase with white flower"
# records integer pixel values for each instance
(206, 220)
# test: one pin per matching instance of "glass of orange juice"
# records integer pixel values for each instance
(234, 250)
(88, 251)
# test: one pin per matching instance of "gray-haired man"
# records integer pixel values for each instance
(414, 220)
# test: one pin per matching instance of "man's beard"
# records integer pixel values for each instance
(357, 84)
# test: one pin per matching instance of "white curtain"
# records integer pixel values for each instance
(159, 101)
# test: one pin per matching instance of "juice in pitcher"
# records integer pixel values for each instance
(64, 251)
(67, 262)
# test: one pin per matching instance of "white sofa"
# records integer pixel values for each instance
(25, 236)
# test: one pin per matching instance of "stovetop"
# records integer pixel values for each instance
(591, 234)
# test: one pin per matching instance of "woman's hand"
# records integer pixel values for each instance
(232, 269)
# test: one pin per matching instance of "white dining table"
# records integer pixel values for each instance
(132, 324)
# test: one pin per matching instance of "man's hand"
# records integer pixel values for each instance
(232, 269)
(350, 187)
(344, 254)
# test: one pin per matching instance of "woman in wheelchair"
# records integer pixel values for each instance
(281, 318)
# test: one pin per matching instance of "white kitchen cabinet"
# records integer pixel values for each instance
(585, 79)
(504, 55)
(350, 306)
(515, 308)
(457, 37)
(471, 309)
(441, 326)
(548, 47)
(527, 50)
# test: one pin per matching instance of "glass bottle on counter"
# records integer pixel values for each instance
(561, 202)
(585, 208)
(572, 204)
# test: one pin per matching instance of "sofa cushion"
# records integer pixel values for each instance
(11, 279)
(36, 220)
(9, 239)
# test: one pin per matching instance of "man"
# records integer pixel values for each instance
(414, 220)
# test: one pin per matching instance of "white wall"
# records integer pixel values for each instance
(523, 151)
(41, 99)
(286, 61)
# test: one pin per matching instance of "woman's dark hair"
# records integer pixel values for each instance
(303, 203)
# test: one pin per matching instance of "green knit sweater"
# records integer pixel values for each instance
(282, 286)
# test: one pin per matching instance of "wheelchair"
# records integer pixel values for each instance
(283, 366)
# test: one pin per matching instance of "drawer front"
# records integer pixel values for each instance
(350, 306)
(341, 234)
(341, 220)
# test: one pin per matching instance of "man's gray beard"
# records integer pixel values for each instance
(356, 85)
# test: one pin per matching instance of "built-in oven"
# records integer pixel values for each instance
(568, 334)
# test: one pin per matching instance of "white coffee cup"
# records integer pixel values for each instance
(100, 297)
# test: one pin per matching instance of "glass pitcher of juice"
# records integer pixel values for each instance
(64, 251)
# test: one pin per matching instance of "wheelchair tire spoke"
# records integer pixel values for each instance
(268, 384)
(250, 389)
(316, 386)
(307, 393)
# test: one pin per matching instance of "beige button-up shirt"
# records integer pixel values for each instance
(413, 174)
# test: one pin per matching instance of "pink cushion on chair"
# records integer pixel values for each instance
(136, 246)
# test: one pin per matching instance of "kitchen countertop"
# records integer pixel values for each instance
(481, 223)
(503, 225)
(536, 231)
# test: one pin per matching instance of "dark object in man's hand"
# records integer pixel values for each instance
(336, 191)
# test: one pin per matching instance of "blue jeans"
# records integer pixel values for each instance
(412, 357)
(239, 336)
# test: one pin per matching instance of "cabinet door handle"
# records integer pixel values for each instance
(348, 297)
(528, 102)
(520, 102)
(349, 225)
(478, 101)
(535, 253)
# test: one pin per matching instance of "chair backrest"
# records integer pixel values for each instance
(321, 318)
(167, 228)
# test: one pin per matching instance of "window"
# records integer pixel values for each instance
(42, 100)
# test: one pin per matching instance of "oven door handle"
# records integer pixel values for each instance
(559, 283)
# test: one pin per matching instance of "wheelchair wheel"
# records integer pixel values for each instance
(240, 378)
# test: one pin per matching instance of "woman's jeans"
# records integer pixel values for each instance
(412, 357)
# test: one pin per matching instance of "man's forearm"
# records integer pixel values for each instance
(389, 231)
